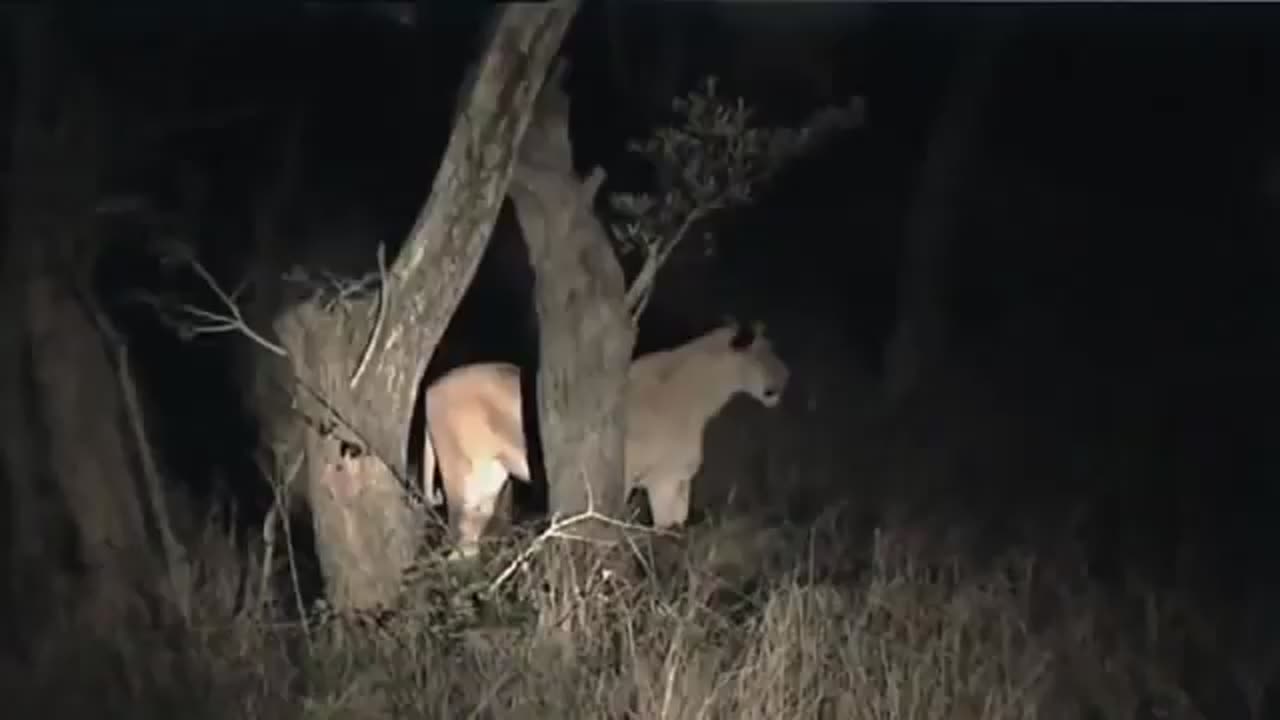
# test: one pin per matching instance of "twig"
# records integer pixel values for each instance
(341, 288)
(673, 664)
(288, 544)
(174, 554)
(536, 544)
(236, 317)
(382, 312)
(556, 530)
(490, 694)
(642, 287)
(213, 322)
(279, 511)
(268, 555)
(175, 559)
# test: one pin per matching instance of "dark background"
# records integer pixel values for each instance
(1111, 263)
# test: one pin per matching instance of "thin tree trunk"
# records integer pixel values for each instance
(30, 551)
(585, 334)
(357, 419)
(56, 163)
(83, 418)
(918, 340)
(33, 518)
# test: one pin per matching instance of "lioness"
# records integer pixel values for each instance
(474, 424)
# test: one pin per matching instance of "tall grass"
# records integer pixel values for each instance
(762, 610)
(735, 619)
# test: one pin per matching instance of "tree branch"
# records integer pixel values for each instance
(712, 161)
(199, 321)
(382, 316)
(642, 287)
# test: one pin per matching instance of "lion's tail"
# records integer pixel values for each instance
(432, 493)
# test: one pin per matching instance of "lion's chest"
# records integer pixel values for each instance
(661, 441)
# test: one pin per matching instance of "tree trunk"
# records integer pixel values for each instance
(918, 339)
(585, 334)
(30, 551)
(87, 443)
(57, 161)
(357, 418)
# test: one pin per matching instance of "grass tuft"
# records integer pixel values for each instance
(735, 619)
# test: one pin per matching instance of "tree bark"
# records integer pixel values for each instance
(585, 333)
(31, 549)
(57, 160)
(918, 340)
(367, 528)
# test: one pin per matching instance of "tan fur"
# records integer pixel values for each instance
(474, 431)
(474, 423)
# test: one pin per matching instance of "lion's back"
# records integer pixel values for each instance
(465, 401)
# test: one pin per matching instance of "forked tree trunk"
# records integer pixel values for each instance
(585, 333)
(57, 160)
(367, 529)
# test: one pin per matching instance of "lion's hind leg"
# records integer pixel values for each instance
(669, 499)
(483, 486)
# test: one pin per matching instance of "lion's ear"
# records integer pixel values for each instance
(759, 329)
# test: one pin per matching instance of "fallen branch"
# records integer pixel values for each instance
(557, 531)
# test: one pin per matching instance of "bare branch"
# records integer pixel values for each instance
(655, 257)
(199, 321)
(557, 530)
(327, 290)
(280, 478)
(177, 567)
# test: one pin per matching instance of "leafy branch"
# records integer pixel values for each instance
(713, 158)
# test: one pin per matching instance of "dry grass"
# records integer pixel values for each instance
(735, 620)
(883, 613)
